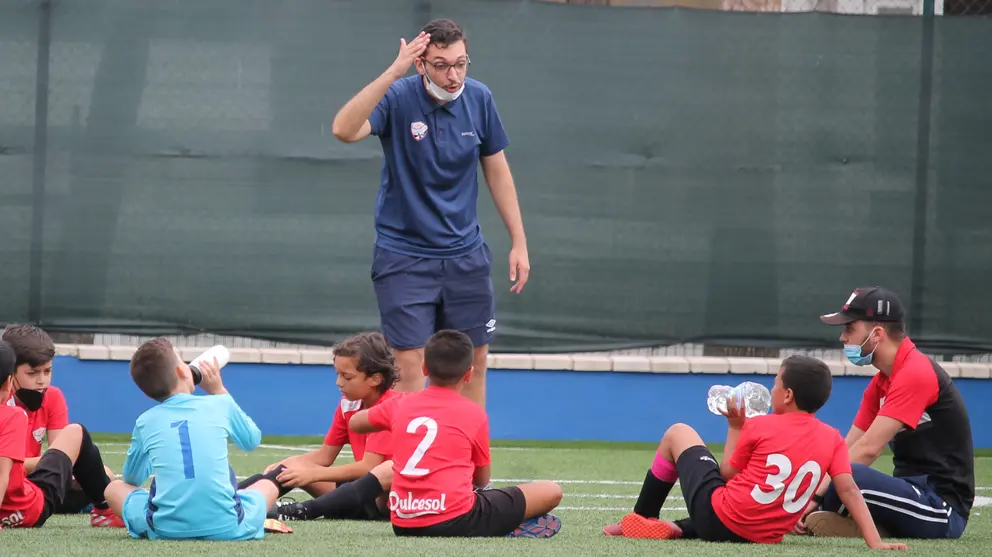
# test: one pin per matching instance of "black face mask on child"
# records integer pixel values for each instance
(30, 398)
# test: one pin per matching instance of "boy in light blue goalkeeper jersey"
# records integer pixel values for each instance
(183, 442)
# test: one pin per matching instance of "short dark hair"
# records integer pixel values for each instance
(895, 329)
(153, 368)
(445, 32)
(32, 345)
(7, 361)
(448, 356)
(374, 356)
(809, 379)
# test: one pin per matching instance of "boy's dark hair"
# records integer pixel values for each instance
(810, 381)
(448, 356)
(445, 32)
(374, 356)
(8, 359)
(153, 368)
(32, 345)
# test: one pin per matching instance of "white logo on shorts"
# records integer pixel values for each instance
(490, 325)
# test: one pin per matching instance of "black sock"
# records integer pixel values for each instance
(89, 473)
(652, 496)
(688, 530)
(271, 476)
(249, 481)
(345, 500)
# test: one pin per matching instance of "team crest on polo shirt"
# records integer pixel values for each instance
(418, 130)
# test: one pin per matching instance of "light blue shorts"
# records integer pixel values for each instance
(252, 527)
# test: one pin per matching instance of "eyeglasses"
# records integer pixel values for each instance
(442, 67)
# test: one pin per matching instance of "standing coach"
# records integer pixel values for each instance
(431, 266)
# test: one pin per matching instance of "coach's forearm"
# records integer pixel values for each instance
(504, 193)
(349, 120)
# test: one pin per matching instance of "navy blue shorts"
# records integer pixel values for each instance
(418, 296)
(905, 507)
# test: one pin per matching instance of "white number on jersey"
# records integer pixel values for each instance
(411, 465)
(791, 503)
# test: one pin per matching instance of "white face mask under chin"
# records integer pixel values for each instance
(442, 94)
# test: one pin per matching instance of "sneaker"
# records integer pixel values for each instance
(636, 526)
(538, 527)
(286, 510)
(613, 530)
(827, 524)
(105, 518)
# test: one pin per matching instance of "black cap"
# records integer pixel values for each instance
(872, 303)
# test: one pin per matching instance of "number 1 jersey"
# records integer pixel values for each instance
(183, 442)
(782, 459)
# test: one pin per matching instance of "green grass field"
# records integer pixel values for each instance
(600, 483)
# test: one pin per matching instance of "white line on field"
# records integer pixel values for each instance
(611, 509)
(630, 496)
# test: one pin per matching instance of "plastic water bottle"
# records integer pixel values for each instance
(220, 352)
(755, 396)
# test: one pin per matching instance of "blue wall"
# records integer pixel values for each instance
(547, 405)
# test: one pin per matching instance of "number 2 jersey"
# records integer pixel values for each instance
(439, 439)
(183, 442)
(782, 459)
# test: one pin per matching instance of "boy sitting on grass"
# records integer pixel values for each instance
(366, 373)
(771, 467)
(183, 442)
(441, 458)
(45, 406)
(28, 500)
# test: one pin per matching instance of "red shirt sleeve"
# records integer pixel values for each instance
(337, 435)
(58, 410)
(381, 415)
(13, 431)
(841, 462)
(745, 446)
(380, 443)
(912, 390)
(869, 406)
(480, 446)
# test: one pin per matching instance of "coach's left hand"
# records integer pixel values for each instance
(519, 268)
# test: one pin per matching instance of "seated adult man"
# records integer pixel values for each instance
(913, 406)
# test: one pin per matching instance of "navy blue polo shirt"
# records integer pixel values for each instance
(426, 205)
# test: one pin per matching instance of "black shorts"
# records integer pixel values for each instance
(699, 476)
(496, 513)
(53, 476)
(75, 502)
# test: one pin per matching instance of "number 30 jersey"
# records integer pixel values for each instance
(782, 459)
(183, 442)
(439, 439)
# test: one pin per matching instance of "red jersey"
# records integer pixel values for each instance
(439, 439)
(782, 459)
(53, 415)
(340, 434)
(23, 502)
(935, 440)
